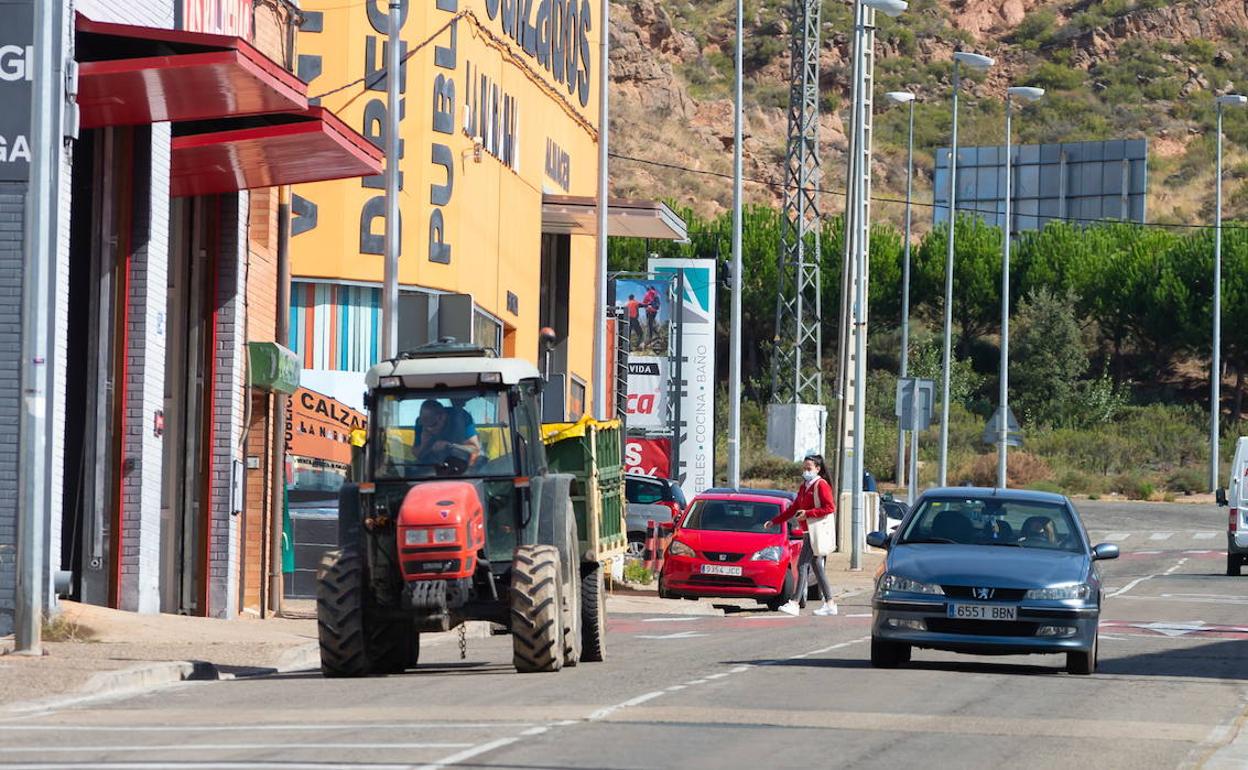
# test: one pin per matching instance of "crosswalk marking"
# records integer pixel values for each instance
(1204, 535)
(1118, 536)
(1161, 536)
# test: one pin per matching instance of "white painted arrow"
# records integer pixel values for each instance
(1173, 629)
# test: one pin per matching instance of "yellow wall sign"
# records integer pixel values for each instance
(499, 104)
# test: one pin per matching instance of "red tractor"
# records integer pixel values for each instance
(458, 517)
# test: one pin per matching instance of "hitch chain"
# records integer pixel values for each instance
(463, 641)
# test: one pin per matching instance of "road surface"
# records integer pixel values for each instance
(739, 689)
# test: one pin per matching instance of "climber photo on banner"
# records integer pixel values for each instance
(644, 309)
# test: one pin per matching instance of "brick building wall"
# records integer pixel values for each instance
(145, 374)
(12, 218)
(228, 406)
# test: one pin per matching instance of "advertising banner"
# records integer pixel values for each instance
(645, 306)
(16, 59)
(647, 393)
(696, 347)
(648, 457)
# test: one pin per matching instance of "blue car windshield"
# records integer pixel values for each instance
(993, 521)
(731, 516)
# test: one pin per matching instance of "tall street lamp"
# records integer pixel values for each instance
(1023, 94)
(1215, 375)
(905, 97)
(734, 340)
(858, 194)
(976, 62)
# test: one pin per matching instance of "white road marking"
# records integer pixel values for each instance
(356, 726)
(228, 747)
(1117, 536)
(720, 675)
(1161, 536)
(248, 765)
(684, 619)
(1204, 535)
(676, 688)
(1199, 553)
(739, 669)
(839, 646)
(1129, 586)
(677, 635)
(1175, 566)
(603, 713)
(455, 759)
(858, 615)
(1147, 553)
(1172, 629)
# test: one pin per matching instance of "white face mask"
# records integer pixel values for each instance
(810, 475)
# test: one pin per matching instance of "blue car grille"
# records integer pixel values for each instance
(981, 627)
(998, 594)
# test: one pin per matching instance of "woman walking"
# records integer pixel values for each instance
(814, 501)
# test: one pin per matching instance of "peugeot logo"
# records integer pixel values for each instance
(982, 593)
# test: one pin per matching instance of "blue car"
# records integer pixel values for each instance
(988, 572)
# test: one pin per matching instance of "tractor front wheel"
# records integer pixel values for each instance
(340, 614)
(537, 609)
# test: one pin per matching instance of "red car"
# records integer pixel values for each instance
(722, 548)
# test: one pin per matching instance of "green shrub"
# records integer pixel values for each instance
(636, 572)
(1186, 481)
(1036, 29)
(1133, 486)
(1056, 77)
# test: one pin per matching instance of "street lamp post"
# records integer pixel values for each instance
(1215, 373)
(976, 62)
(1025, 94)
(859, 252)
(734, 341)
(905, 97)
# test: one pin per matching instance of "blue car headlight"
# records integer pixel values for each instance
(890, 582)
(1080, 591)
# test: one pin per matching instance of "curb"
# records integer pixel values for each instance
(152, 676)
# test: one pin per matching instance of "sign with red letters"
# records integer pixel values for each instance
(648, 457)
(647, 393)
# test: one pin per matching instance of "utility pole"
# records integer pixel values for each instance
(38, 256)
(602, 410)
(390, 285)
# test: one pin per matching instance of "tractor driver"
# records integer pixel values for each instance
(439, 430)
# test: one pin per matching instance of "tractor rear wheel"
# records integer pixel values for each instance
(593, 616)
(394, 646)
(340, 614)
(537, 609)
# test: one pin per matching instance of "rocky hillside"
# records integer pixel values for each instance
(1112, 68)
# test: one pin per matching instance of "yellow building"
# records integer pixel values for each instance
(499, 169)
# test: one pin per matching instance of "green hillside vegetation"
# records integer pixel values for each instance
(1110, 332)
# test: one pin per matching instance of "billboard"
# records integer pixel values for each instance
(648, 457)
(1080, 182)
(695, 349)
(647, 393)
(644, 305)
(17, 55)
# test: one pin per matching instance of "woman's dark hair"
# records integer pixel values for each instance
(821, 465)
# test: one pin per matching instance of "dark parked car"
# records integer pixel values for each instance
(989, 571)
(649, 498)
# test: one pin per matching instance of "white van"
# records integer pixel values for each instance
(1236, 496)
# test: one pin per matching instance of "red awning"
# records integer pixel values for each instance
(310, 146)
(129, 75)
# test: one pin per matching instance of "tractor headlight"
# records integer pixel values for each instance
(1079, 591)
(770, 553)
(678, 548)
(445, 535)
(415, 536)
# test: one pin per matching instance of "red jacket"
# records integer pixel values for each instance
(806, 502)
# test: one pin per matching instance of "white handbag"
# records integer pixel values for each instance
(821, 531)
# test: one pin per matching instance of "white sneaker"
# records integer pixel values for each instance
(828, 608)
(789, 608)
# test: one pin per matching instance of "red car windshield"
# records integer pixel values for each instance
(731, 516)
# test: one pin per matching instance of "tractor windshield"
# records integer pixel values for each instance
(431, 433)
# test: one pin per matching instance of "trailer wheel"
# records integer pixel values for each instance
(593, 615)
(537, 609)
(572, 617)
(340, 614)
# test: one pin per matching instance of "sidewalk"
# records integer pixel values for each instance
(110, 652)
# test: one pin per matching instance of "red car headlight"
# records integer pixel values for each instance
(678, 548)
(772, 553)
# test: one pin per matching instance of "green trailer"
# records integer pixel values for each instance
(593, 453)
